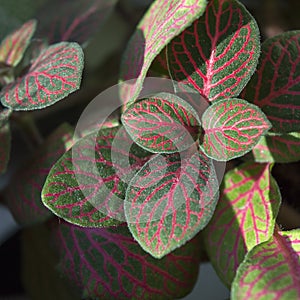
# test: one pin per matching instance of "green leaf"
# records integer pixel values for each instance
(87, 185)
(5, 139)
(162, 22)
(218, 53)
(232, 127)
(55, 74)
(170, 200)
(23, 195)
(275, 86)
(107, 263)
(282, 148)
(163, 123)
(271, 270)
(244, 217)
(14, 45)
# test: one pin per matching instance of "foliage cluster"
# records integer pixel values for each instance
(138, 229)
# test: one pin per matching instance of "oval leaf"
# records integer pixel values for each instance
(14, 45)
(275, 86)
(23, 195)
(163, 123)
(232, 127)
(218, 53)
(283, 148)
(87, 185)
(244, 217)
(163, 21)
(106, 263)
(73, 21)
(170, 200)
(271, 270)
(55, 74)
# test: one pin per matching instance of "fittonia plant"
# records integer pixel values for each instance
(173, 209)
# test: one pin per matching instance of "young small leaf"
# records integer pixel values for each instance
(14, 45)
(87, 185)
(55, 74)
(23, 195)
(283, 148)
(163, 123)
(232, 127)
(106, 263)
(275, 86)
(5, 139)
(244, 217)
(73, 21)
(170, 200)
(163, 21)
(218, 53)
(271, 270)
